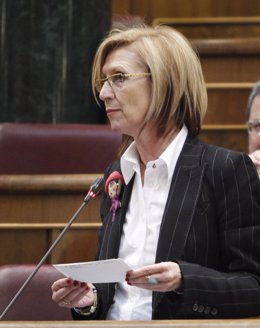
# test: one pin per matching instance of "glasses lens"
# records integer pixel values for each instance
(113, 80)
(117, 80)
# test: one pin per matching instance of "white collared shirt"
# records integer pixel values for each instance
(142, 225)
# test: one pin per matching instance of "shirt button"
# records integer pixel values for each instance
(201, 308)
(195, 307)
(207, 310)
(214, 311)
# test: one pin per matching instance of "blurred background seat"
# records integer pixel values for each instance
(56, 148)
(35, 302)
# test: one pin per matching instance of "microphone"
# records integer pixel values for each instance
(94, 190)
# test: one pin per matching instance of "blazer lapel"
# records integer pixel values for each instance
(181, 204)
(112, 230)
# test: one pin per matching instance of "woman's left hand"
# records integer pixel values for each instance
(161, 277)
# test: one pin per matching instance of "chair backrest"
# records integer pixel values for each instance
(56, 148)
(35, 302)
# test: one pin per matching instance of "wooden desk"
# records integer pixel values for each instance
(236, 323)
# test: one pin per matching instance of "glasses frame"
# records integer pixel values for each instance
(100, 83)
(252, 125)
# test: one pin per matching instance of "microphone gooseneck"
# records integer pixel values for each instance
(94, 190)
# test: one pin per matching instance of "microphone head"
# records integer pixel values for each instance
(95, 189)
(97, 186)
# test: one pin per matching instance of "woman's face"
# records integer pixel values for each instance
(128, 99)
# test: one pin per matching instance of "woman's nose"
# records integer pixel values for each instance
(106, 92)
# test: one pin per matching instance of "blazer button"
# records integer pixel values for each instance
(207, 310)
(201, 308)
(214, 311)
(195, 307)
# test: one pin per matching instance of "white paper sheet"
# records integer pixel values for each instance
(112, 270)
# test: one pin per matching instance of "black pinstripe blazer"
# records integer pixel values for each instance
(210, 226)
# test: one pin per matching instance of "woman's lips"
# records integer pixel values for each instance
(111, 111)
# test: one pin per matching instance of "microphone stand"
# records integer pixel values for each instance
(94, 190)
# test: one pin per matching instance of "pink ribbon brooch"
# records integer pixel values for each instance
(113, 188)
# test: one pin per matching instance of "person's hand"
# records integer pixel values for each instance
(72, 293)
(161, 277)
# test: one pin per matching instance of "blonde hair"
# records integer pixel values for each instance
(179, 93)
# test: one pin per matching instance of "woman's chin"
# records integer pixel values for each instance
(115, 126)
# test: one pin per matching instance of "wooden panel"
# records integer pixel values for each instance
(52, 198)
(227, 103)
(78, 245)
(150, 9)
(22, 246)
(231, 69)
(31, 206)
(120, 7)
(28, 243)
(229, 60)
(52, 207)
(230, 136)
(214, 27)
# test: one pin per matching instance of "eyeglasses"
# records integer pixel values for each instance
(117, 80)
(254, 127)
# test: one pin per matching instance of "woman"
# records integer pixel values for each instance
(186, 216)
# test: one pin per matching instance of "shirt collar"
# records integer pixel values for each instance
(129, 162)
(130, 158)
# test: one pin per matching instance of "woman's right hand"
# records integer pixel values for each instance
(71, 293)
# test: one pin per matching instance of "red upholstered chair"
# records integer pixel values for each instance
(35, 302)
(56, 148)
